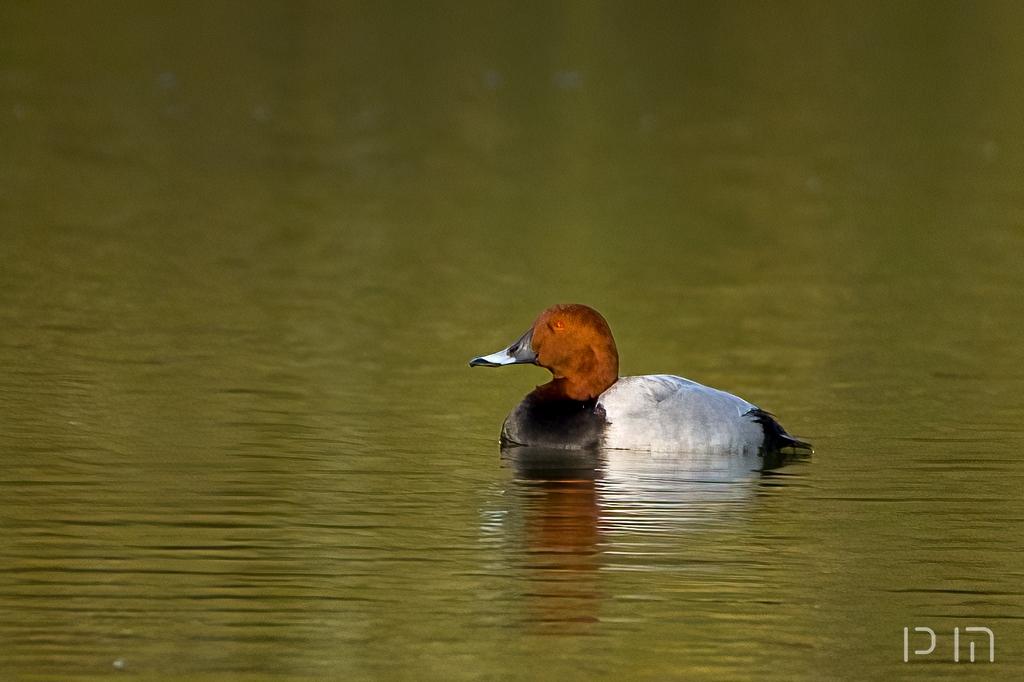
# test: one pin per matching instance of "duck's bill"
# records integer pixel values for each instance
(519, 353)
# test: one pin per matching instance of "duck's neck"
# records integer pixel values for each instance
(570, 388)
(584, 376)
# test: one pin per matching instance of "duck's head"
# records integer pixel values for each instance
(573, 342)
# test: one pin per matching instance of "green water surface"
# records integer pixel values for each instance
(248, 248)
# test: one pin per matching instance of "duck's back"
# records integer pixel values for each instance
(660, 412)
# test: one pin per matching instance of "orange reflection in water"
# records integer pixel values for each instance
(561, 549)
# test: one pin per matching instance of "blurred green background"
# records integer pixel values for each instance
(248, 248)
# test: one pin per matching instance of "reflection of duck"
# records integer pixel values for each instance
(586, 403)
(656, 491)
(584, 510)
(562, 537)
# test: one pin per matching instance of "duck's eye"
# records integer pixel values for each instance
(558, 324)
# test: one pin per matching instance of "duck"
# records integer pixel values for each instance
(587, 405)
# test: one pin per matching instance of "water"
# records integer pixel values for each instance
(248, 250)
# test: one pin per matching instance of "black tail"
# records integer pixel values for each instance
(775, 437)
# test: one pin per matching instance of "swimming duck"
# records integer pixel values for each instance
(587, 404)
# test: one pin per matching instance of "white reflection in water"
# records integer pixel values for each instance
(580, 513)
(653, 492)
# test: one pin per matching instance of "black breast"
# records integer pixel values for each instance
(551, 423)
